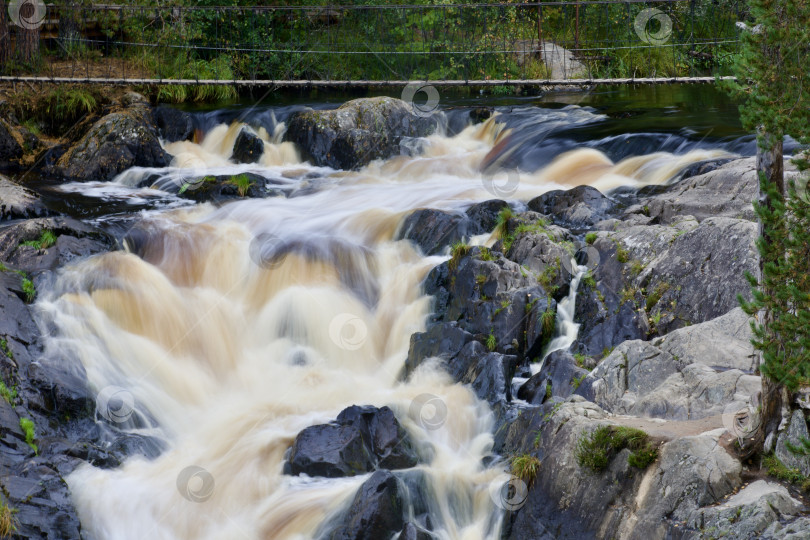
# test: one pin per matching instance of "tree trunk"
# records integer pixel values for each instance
(28, 44)
(774, 397)
(5, 36)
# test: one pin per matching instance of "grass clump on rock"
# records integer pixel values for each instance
(458, 251)
(595, 450)
(525, 467)
(8, 523)
(780, 471)
(27, 427)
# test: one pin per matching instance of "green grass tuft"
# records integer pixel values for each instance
(492, 343)
(595, 450)
(45, 240)
(525, 467)
(458, 251)
(8, 523)
(27, 427)
(591, 237)
(242, 182)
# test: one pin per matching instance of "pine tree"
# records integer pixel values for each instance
(773, 82)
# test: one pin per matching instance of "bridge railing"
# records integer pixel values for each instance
(501, 41)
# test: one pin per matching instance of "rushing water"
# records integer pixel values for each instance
(224, 331)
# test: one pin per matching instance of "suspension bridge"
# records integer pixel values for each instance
(545, 43)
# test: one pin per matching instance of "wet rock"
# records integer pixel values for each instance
(747, 513)
(248, 148)
(357, 132)
(116, 142)
(484, 215)
(412, 532)
(376, 511)
(220, 188)
(434, 230)
(578, 208)
(443, 340)
(489, 373)
(173, 124)
(795, 432)
(17, 201)
(480, 114)
(73, 239)
(10, 148)
(691, 373)
(559, 372)
(361, 440)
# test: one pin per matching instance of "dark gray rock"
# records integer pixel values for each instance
(560, 371)
(357, 132)
(361, 440)
(434, 230)
(10, 149)
(173, 124)
(17, 201)
(489, 373)
(116, 142)
(248, 147)
(443, 340)
(376, 511)
(220, 188)
(484, 215)
(412, 532)
(578, 208)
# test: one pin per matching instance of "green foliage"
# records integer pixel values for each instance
(486, 254)
(8, 523)
(606, 351)
(780, 471)
(783, 295)
(579, 358)
(458, 251)
(45, 240)
(595, 450)
(622, 255)
(548, 276)
(548, 324)
(242, 182)
(549, 390)
(9, 394)
(502, 228)
(29, 290)
(591, 237)
(636, 267)
(588, 280)
(525, 467)
(576, 381)
(5, 349)
(27, 427)
(656, 295)
(492, 343)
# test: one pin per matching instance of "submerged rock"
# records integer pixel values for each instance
(116, 142)
(357, 132)
(361, 440)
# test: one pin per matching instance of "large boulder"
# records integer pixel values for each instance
(173, 124)
(17, 201)
(357, 132)
(361, 440)
(692, 373)
(578, 208)
(116, 142)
